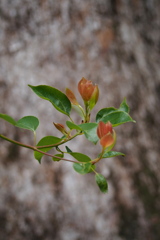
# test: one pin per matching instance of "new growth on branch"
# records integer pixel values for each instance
(102, 130)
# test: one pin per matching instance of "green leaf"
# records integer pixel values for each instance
(112, 154)
(72, 125)
(28, 122)
(68, 149)
(57, 155)
(90, 131)
(104, 112)
(116, 117)
(80, 156)
(101, 182)
(82, 168)
(8, 118)
(124, 106)
(58, 99)
(87, 126)
(49, 140)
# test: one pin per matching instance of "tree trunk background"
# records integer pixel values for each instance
(116, 44)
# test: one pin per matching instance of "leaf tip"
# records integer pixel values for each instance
(101, 182)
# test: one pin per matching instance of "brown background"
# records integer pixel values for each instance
(116, 44)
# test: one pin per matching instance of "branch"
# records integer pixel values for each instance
(35, 149)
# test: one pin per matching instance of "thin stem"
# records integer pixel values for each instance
(71, 119)
(59, 150)
(18, 143)
(60, 143)
(50, 155)
(94, 170)
(34, 138)
(34, 148)
(99, 158)
(87, 110)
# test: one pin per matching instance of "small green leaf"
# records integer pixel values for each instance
(72, 125)
(87, 126)
(82, 168)
(118, 118)
(49, 140)
(104, 112)
(101, 182)
(57, 155)
(112, 154)
(68, 149)
(28, 122)
(115, 116)
(58, 99)
(90, 131)
(8, 118)
(124, 106)
(80, 156)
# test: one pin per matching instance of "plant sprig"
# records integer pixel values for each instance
(99, 131)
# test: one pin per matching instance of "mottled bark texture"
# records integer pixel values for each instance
(114, 43)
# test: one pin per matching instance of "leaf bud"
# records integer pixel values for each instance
(71, 97)
(61, 128)
(94, 97)
(87, 90)
(106, 134)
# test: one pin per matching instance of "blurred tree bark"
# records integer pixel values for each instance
(117, 44)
